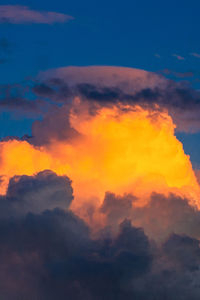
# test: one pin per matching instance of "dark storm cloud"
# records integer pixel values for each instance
(47, 252)
(113, 84)
(175, 271)
(173, 214)
(116, 208)
(35, 194)
(99, 94)
(169, 95)
(174, 96)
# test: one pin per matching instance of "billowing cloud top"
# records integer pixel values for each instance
(101, 202)
(106, 85)
(18, 14)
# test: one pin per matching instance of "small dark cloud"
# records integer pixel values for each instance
(178, 74)
(19, 98)
(43, 90)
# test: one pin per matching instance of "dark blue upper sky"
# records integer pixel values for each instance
(122, 33)
(141, 34)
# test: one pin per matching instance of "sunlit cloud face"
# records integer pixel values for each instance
(121, 149)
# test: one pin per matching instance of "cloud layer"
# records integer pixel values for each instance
(108, 85)
(105, 86)
(47, 252)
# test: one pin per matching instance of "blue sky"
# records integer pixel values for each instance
(127, 33)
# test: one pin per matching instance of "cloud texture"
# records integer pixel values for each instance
(48, 252)
(105, 86)
(108, 85)
(103, 129)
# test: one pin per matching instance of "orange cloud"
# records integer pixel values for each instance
(119, 149)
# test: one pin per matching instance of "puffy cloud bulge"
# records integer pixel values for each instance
(107, 133)
(102, 202)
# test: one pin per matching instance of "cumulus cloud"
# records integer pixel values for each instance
(139, 252)
(175, 271)
(36, 193)
(162, 216)
(17, 14)
(47, 252)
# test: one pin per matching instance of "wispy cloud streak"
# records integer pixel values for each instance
(17, 14)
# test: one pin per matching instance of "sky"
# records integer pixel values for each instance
(101, 33)
(99, 150)
(147, 35)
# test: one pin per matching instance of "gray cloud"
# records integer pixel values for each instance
(161, 217)
(51, 251)
(47, 252)
(35, 194)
